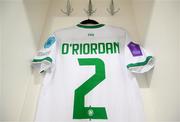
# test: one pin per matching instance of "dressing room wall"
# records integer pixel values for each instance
(161, 35)
(0, 61)
(19, 39)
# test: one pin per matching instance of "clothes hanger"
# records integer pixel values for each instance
(89, 21)
(89, 12)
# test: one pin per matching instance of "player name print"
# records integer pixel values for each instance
(90, 48)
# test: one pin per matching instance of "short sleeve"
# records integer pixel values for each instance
(137, 59)
(45, 58)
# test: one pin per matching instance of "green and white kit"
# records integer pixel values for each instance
(88, 75)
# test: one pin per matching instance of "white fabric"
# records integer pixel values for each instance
(130, 59)
(118, 92)
(46, 53)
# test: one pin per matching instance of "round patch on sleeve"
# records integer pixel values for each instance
(49, 42)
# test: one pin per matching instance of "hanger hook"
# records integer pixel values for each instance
(111, 9)
(90, 10)
(69, 9)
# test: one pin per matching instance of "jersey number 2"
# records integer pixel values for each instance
(80, 111)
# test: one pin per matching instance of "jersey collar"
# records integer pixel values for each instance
(90, 26)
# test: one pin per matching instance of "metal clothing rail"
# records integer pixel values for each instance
(90, 10)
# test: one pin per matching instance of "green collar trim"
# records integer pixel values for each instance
(90, 26)
(40, 60)
(140, 63)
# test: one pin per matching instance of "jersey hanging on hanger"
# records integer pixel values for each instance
(89, 75)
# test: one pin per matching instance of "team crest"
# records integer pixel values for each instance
(49, 42)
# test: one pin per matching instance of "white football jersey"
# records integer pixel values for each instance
(88, 75)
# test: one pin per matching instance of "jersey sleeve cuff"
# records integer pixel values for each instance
(141, 67)
(42, 64)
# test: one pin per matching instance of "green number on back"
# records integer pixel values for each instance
(80, 111)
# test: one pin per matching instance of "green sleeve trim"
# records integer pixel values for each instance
(40, 60)
(140, 63)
